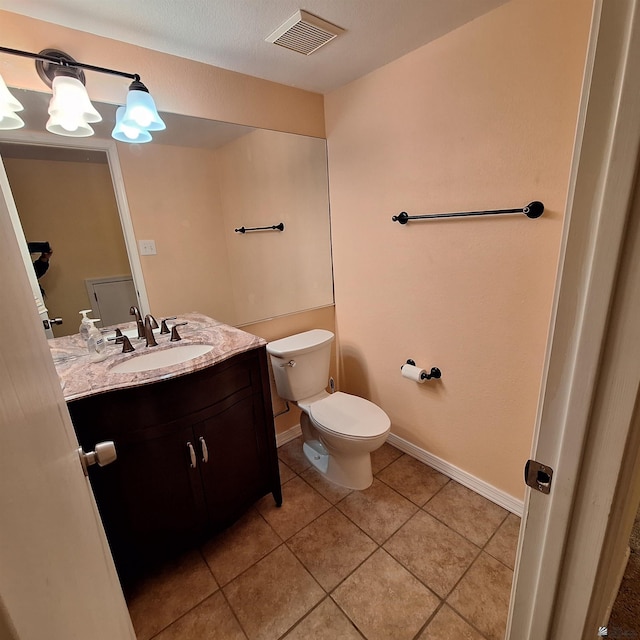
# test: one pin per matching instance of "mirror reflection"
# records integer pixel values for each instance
(187, 192)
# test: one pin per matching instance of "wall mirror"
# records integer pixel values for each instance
(187, 191)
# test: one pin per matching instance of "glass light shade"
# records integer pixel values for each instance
(9, 119)
(127, 133)
(70, 103)
(8, 101)
(65, 127)
(141, 112)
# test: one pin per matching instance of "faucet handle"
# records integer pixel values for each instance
(127, 347)
(152, 321)
(163, 324)
(175, 336)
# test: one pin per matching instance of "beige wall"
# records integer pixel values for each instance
(482, 118)
(71, 205)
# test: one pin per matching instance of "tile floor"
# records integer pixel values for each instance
(415, 556)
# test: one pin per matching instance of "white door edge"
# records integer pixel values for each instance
(602, 182)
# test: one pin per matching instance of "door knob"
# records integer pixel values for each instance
(105, 453)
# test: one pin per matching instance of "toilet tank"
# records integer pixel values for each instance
(311, 354)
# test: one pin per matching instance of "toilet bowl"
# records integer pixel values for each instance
(339, 430)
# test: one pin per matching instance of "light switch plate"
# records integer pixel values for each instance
(147, 247)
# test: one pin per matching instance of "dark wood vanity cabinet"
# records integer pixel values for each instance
(194, 452)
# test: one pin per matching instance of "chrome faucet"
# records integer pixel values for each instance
(149, 322)
(134, 311)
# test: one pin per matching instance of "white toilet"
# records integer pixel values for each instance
(339, 430)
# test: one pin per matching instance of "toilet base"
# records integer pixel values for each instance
(317, 455)
(349, 471)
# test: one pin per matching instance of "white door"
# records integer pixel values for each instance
(57, 578)
(592, 379)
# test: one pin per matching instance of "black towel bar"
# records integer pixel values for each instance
(273, 227)
(533, 210)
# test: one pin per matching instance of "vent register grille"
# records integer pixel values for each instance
(304, 33)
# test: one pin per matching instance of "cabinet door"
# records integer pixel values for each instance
(232, 445)
(150, 498)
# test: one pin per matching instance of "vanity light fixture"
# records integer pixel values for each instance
(128, 133)
(8, 107)
(70, 109)
(141, 110)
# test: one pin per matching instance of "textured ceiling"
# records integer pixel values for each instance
(231, 33)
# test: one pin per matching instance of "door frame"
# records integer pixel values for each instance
(563, 534)
(109, 147)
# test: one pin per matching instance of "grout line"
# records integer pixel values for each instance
(423, 628)
(182, 615)
(504, 564)
(208, 567)
(304, 617)
(473, 626)
(420, 506)
(461, 579)
(346, 615)
(233, 613)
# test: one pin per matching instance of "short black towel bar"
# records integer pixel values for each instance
(533, 210)
(273, 227)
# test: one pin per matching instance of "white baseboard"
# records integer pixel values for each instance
(481, 487)
(486, 490)
(288, 435)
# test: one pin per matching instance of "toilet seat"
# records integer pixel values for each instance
(349, 416)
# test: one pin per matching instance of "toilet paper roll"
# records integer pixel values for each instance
(413, 373)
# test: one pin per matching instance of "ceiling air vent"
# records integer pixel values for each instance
(304, 33)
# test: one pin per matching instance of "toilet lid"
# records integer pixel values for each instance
(350, 416)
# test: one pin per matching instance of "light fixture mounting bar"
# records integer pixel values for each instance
(63, 63)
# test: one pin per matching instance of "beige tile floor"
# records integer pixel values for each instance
(416, 556)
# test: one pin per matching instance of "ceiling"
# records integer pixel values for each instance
(231, 33)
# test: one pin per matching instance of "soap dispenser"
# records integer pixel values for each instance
(95, 343)
(85, 324)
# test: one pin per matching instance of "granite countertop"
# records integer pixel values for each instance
(79, 377)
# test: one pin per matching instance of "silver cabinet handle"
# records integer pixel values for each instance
(205, 451)
(192, 455)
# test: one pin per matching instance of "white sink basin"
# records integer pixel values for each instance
(160, 359)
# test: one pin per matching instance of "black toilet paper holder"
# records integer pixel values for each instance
(434, 373)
